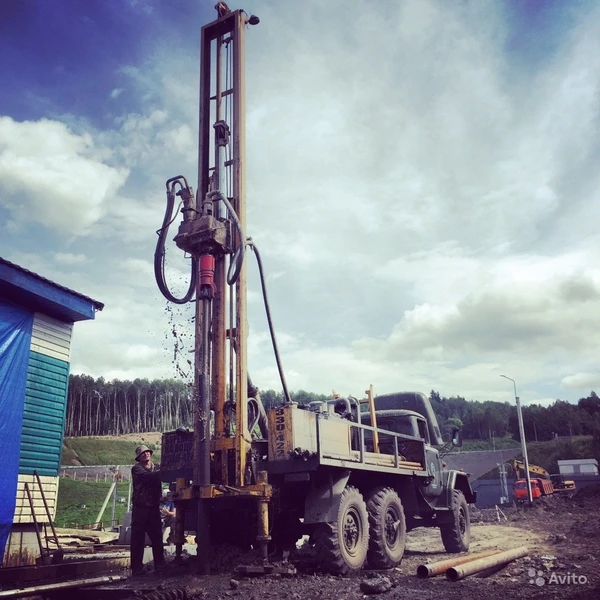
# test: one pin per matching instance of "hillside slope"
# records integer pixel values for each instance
(107, 450)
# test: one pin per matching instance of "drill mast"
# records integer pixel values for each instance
(212, 232)
(221, 327)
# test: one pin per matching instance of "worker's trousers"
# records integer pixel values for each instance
(146, 520)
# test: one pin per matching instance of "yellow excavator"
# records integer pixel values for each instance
(559, 482)
(519, 469)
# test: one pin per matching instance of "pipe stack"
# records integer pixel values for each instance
(462, 566)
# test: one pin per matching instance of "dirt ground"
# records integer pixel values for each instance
(562, 534)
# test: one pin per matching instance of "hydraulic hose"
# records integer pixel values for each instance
(253, 414)
(235, 266)
(286, 393)
(159, 253)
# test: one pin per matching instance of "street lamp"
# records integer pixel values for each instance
(523, 443)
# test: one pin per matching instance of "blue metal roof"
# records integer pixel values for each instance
(28, 289)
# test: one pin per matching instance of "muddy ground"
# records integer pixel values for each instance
(561, 532)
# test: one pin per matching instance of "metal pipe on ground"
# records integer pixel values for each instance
(63, 585)
(437, 568)
(461, 571)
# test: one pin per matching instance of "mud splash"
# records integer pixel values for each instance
(179, 340)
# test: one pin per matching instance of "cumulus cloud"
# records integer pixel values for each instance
(422, 191)
(137, 334)
(51, 175)
(416, 198)
(68, 258)
(531, 330)
(581, 381)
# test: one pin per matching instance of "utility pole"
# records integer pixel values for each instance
(503, 484)
(523, 443)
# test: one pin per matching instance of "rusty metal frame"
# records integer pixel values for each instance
(232, 25)
(210, 345)
(239, 194)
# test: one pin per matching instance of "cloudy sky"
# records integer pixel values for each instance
(423, 185)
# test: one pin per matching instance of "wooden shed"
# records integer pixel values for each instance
(36, 323)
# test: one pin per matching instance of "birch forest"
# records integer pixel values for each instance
(99, 407)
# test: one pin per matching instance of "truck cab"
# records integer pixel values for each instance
(562, 483)
(413, 424)
(521, 490)
(539, 487)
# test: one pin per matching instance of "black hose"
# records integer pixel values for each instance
(269, 321)
(261, 418)
(235, 266)
(159, 253)
(253, 414)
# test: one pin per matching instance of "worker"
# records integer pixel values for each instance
(145, 518)
(167, 513)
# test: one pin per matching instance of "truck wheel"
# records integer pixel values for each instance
(387, 529)
(457, 534)
(341, 547)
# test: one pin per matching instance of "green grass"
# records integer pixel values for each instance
(80, 501)
(497, 444)
(74, 494)
(546, 454)
(68, 456)
(98, 451)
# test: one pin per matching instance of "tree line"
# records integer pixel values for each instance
(488, 419)
(100, 407)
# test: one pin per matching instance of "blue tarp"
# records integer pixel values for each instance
(15, 341)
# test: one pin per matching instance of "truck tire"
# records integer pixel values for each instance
(387, 529)
(456, 535)
(341, 547)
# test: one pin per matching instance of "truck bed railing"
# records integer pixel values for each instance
(404, 451)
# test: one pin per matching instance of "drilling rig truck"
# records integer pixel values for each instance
(353, 480)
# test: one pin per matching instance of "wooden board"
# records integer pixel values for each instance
(23, 512)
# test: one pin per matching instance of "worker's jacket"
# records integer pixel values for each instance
(147, 488)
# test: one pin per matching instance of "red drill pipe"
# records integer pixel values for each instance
(207, 271)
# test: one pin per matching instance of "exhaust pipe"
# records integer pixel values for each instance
(437, 568)
(476, 566)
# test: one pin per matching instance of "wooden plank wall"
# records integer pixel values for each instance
(51, 337)
(45, 396)
(23, 512)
